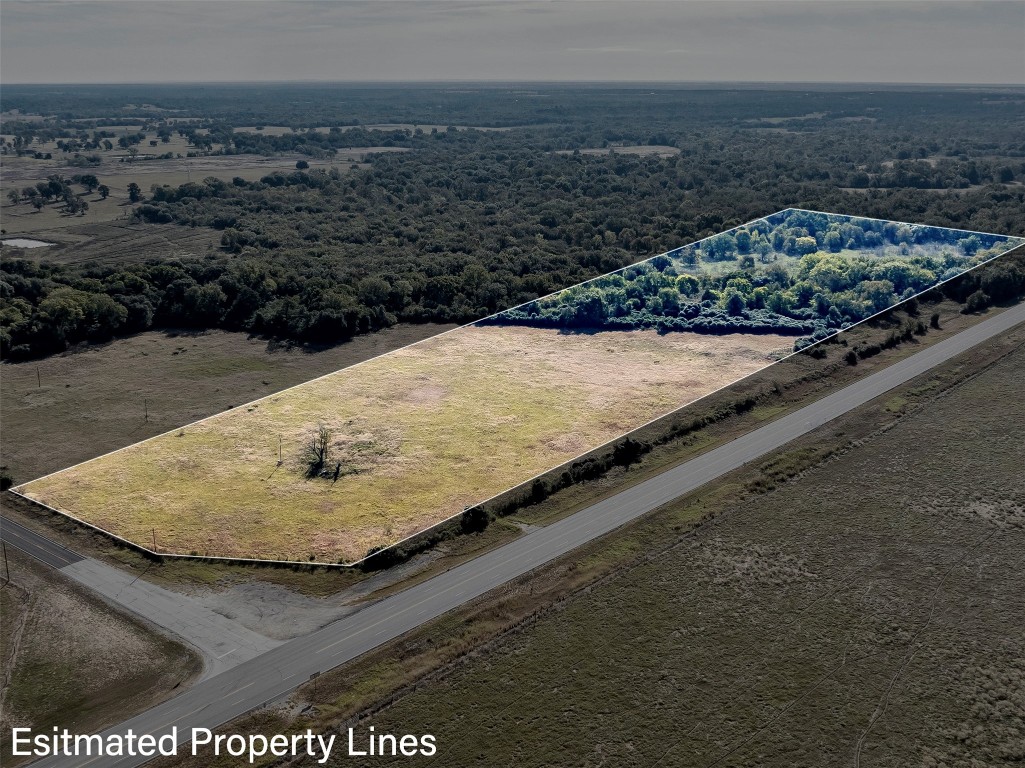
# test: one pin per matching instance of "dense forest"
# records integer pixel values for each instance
(797, 272)
(470, 222)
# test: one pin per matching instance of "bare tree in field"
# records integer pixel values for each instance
(315, 452)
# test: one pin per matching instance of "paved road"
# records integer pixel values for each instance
(221, 642)
(39, 547)
(275, 673)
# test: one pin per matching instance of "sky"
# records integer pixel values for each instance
(137, 41)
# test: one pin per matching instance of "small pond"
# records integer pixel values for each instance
(24, 242)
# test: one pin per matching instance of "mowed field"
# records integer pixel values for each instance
(868, 612)
(415, 437)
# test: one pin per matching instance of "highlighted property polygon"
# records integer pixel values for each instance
(375, 453)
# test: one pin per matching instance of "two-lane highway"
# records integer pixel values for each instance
(34, 545)
(279, 670)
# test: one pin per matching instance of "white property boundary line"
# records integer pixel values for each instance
(18, 489)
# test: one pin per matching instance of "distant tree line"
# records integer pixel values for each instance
(469, 223)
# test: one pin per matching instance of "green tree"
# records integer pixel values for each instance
(977, 302)
(830, 273)
(688, 285)
(735, 304)
(373, 291)
(63, 310)
(970, 245)
(833, 241)
(670, 299)
(805, 245)
(879, 294)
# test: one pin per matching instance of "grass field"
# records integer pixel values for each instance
(124, 241)
(71, 407)
(868, 612)
(416, 436)
(95, 665)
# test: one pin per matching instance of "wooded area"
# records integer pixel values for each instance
(470, 222)
(797, 272)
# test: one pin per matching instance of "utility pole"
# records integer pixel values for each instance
(39, 381)
(145, 408)
(154, 541)
(7, 566)
(279, 450)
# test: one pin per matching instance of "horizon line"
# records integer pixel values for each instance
(470, 81)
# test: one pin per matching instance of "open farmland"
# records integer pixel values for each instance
(418, 434)
(147, 161)
(125, 241)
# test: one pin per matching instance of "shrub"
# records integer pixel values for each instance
(976, 302)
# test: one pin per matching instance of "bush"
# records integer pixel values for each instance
(976, 302)
(474, 520)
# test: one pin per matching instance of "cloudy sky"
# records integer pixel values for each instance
(944, 41)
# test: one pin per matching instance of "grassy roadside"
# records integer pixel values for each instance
(95, 665)
(391, 672)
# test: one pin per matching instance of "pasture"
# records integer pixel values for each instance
(72, 407)
(415, 436)
(24, 219)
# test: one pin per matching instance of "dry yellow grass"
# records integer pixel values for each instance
(420, 434)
